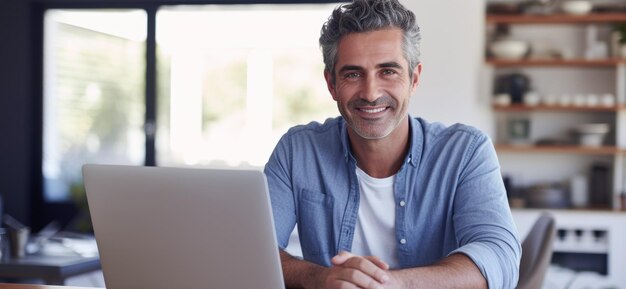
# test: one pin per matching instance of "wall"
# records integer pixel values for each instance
(452, 56)
(16, 108)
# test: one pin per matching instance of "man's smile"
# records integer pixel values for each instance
(373, 110)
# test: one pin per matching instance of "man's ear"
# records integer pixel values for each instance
(417, 71)
(330, 84)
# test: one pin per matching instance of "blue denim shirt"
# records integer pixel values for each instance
(449, 197)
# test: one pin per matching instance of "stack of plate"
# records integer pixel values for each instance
(591, 134)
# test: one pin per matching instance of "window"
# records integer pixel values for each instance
(231, 79)
(94, 99)
(236, 80)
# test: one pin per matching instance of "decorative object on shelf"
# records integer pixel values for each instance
(578, 100)
(622, 201)
(565, 99)
(509, 49)
(544, 50)
(552, 99)
(600, 187)
(576, 7)
(548, 195)
(506, 8)
(513, 84)
(609, 7)
(591, 134)
(502, 99)
(595, 49)
(579, 192)
(607, 100)
(532, 98)
(519, 131)
(592, 100)
(552, 141)
(540, 7)
(618, 40)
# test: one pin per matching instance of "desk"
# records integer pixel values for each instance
(22, 286)
(52, 269)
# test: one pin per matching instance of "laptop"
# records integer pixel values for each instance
(163, 228)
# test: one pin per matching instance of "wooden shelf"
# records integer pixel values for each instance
(556, 18)
(556, 62)
(570, 149)
(542, 107)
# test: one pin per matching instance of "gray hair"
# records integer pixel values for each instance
(365, 16)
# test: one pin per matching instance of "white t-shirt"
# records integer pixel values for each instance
(375, 233)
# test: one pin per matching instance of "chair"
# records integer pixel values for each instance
(536, 253)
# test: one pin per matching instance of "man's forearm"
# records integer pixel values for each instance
(298, 273)
(455, 271)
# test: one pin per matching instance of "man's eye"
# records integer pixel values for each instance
(352, 75)
(388, 71)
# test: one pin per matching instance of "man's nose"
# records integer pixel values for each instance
(371, 89)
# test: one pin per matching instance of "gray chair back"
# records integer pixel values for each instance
(536, 253)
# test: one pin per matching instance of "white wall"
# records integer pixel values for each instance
(450, 89)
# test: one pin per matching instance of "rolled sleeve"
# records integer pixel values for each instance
(500, 271)
(484, 226)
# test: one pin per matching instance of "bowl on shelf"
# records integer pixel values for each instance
(547, 196)
(509, 49)
(576, 7)
(591, 134)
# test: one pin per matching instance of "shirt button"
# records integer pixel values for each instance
(402, 241)
(402, 203)
(408, 160)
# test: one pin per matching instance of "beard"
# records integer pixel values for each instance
(375, 127)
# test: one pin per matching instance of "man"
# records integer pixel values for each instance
(383, 200)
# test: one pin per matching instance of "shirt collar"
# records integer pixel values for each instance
(416, 141)
(345, 141)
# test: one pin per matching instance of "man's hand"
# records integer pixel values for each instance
(349, 271)
(352, 271)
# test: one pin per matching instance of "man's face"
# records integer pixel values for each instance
(372, 83)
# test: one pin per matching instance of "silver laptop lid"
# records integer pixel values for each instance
(159, 228)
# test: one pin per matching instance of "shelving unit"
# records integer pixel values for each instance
(571, 75)
(611, 70)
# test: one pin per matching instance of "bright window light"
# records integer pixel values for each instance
(233, 79)
(94, 96)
